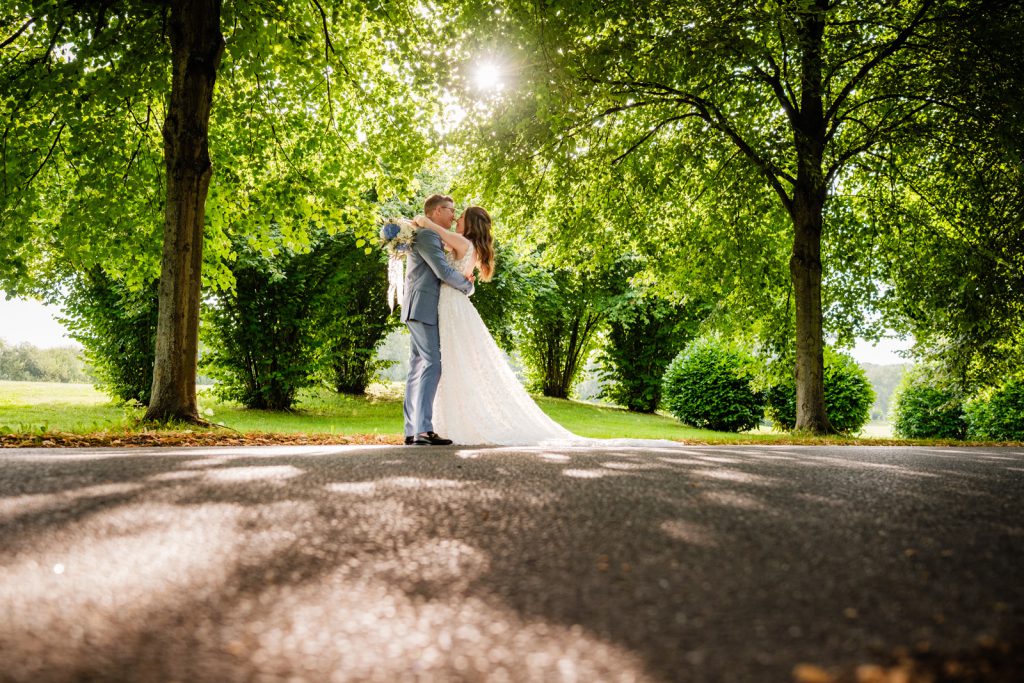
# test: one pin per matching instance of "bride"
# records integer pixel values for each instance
(479, 399)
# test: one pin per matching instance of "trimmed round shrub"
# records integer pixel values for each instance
(848, 396)
(708, 386)
(998, 414)
(925, 409)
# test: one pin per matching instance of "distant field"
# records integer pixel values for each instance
(30, 407)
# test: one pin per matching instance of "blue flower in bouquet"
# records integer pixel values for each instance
(397, 236)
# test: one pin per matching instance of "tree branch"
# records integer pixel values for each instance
(881, 56)
(17, 33)
(650, 133)
(846, 116)
(48, 155)
(707, 111)
(784, 70)
(131, 161)
(774, 81)
(871, 138)
(328, 46)
(328, 51)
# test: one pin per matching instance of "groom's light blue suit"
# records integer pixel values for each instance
(426, 268)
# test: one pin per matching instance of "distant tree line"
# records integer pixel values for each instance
(28, 363)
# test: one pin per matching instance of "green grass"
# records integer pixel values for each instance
(78, 408)
(601, 422)
(49, 406)
(317, 413)
(28, 408)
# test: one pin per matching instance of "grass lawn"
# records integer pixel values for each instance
(49, 406)
(27, 407)
(36, 408)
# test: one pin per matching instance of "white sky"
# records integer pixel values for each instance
(32, 322)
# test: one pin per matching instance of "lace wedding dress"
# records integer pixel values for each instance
(479, 400)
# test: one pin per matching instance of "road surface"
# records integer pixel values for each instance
(349, 563)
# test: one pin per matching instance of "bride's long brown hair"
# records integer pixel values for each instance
(477, 229)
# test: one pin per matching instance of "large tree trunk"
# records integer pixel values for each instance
(807, 210)
(196, 48)
(805, 273)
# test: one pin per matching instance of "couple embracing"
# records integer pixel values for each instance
(459, 382)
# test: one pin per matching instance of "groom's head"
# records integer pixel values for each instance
(440, 208)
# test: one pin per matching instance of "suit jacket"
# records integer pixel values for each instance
(426, 267)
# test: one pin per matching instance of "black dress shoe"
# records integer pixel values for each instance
(430, 439)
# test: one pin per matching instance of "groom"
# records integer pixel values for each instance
(426, 268)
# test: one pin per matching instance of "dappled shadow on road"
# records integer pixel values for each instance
(370, 563)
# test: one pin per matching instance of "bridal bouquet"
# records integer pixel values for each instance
(396, 237)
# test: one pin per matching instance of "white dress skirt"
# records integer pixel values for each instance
(479, 399)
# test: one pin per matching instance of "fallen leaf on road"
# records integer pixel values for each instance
(810, 673)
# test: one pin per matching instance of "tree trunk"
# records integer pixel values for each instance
(805, 273)
(807, 210)
(196, 48)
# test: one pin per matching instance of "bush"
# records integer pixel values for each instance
(848, 396)
(924, 407)
(355, 318)
(558, 326)
(509, 292)
(708, 385)
(116, 326)
(645, 332)
(296, 318)
(998, 414)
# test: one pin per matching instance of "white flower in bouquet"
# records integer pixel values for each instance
(397, 235)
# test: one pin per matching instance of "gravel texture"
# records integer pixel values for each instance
(385, 563)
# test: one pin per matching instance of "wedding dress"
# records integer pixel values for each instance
(479, 399)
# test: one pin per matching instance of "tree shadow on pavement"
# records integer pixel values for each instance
(370, 563)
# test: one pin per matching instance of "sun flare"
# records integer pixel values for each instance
(487, 76)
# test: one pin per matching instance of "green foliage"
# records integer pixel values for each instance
(304, 126)
(27, 363)
(293, 317)
(645, 332)
(116, 325)
(925, 406)
(708, 385)
(81, 174)
(354, 316)
(558, 326)
(997, 413)
(848, 396)
(955, 197)
(510, 290)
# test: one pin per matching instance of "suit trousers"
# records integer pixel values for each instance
(424, 374)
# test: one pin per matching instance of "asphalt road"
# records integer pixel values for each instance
(389, 564)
